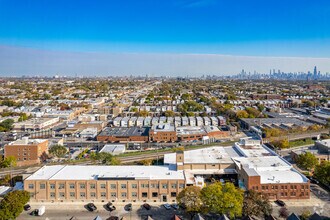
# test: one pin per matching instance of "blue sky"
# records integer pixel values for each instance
(280, 28)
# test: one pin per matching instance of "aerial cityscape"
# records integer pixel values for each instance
(164, 110)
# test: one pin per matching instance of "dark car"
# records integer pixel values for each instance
(110, 207)
(91, 207)
(146, 206)
(27, 207)
(113, 218)
(128, 207)
(34, 212)
(280, 202)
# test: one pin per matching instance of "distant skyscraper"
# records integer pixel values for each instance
(315, 72)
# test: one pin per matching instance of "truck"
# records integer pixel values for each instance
(39, 212)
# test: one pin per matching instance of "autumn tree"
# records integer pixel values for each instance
(190, 198)
(242, 114)
(256, 204)
(223, 199)
(307, 161)
(9, 161)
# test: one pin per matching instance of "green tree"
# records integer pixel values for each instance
(307, 161)
(9, 161)
(223, 199)
(6, 125)
(58, 151)
(256, 204)
(104, 158)
(190, 198)
(12, 204)
(322, 172)
(143, 113)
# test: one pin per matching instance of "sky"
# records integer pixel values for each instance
(171, 37)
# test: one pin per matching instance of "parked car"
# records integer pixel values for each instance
(167, 206)
(146, 206)
(175, 206)
(27, 207)
(91, 207)
(128, 207)
(280, 202)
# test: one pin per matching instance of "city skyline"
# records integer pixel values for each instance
(292, 36)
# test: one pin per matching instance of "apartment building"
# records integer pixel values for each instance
(162, 133)
(26, 151)
(105, 183)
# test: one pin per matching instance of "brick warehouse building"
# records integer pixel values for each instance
(26, 151)
(251, 164)
(124, 135)
(162, 133)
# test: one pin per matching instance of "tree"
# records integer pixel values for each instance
(242, 114)
(6, 125)
(190, 198)
(169, 113)
(105, 158)
(305, 215)
(307, 161)
(9, 161)
(146, 162)
(58, 151)
(322, 172)
(12, 204)
(282, 144)
(223, 199)
(256, 204)
(143, 113)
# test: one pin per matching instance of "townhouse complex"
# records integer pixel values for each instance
(249, 164)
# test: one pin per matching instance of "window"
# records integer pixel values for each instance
(164, 186)
(92, 186)
(82, 195)
(71, 186)
(52, 195)
(93, 194)
(181, 186)
(302, 186)
(123, 186)
(103, 194)
(154, 194)
(61, 194)
(42, 186)
(144, 195)
(113, 194)
(82, 186)
(72, 194)
(154, 186)
(102, 186)
(31, 186)
(263, 187)
(173, 194)
(134, 186)
(134, 194)
(173, 186)
(123, 195)
(61, 186)
(52, 186)
(112, 186)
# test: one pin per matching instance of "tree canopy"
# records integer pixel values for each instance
(223, 199)
(58, 151)
(12, 204)
(322, 172)
(256, 204)
(190, 198)
(6, 125)
(104, 158)
(307, 161)
(9, 161)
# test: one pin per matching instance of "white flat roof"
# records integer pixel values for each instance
(282, 176)
(77, 172)
(210, 155)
